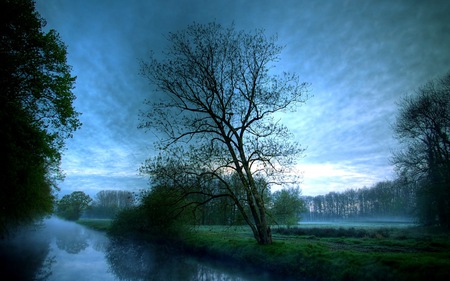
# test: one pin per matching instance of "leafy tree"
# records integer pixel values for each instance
(423, 128)
(71, 206)
(217, 116)
(36, 112)
(287, 206)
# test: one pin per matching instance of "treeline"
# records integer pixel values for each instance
(107, 203)
(284, 207)
(164, 211)
(387, 199)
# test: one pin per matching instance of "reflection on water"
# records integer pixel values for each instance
(27, 257)
(130, 260)
(57, 250)
(138, 261)
(73, 243)
(62, 250)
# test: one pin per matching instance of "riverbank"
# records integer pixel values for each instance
(327, 253)
(96, 224)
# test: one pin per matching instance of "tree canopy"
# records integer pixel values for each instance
(71, 206)
(36, 112)
(287, 206)
(423, 128)
(217, 115)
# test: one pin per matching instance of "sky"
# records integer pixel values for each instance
(359, 57)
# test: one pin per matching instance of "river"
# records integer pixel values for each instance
(61, 250)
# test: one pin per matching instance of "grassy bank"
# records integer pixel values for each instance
(381, 254)
(325, 253)
(96, 224)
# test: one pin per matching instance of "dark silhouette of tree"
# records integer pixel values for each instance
(36, 112)
(217, 113)
(71, 206)
(384, 200)
(423, 128)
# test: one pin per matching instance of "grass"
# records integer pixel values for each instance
(334, 253)
(96, 224)
(326, 253)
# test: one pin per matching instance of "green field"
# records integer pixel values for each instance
(321, 252)
(380, 254)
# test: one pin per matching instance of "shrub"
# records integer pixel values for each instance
(127, 221)
(162, 213)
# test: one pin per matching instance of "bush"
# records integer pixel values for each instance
(162, 213)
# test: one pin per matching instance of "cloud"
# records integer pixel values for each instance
(359, 57)
(340, 176)
(92, 184)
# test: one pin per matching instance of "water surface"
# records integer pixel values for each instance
(61, 250)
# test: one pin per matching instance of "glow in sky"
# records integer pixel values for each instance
(360, 58)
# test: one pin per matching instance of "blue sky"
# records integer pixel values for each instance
(360, 58)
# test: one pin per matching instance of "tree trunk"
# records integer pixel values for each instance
(265, 235)
(259, 226)
(262, 234)
(261, 231)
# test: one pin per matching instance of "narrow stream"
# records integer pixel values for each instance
(60, 250)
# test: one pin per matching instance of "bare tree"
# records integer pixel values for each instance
(217, 116)
(423, 127)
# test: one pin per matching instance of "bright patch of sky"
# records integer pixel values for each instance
(360, 58)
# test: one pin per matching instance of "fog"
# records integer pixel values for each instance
(372, 222)
(55, 250)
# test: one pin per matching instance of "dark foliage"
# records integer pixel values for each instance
(423, 128)
(162, 213)
(71, 206)
(36, 112)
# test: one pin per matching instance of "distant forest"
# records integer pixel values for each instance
(387, 199)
